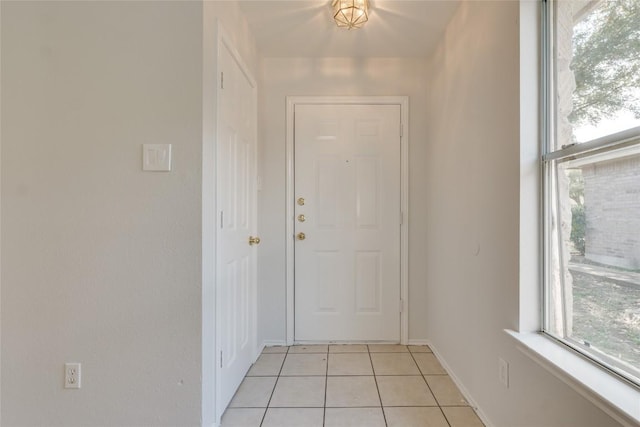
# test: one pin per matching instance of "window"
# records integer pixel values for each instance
(591, 169)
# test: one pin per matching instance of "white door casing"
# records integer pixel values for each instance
(346, 281)
(236, 308)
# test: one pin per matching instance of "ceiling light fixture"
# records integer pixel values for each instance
(350, 13)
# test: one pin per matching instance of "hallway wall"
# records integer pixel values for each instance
(473, 222)
(101, 262)
(283, 77)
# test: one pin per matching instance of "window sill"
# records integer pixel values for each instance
(614, 396)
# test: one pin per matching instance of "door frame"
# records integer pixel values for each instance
(403, 102)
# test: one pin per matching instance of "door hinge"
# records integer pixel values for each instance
(222, 80)
(401, 306)
(221, 219)
(221, 365)
(401, 129)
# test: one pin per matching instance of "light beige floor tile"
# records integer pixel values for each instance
(394, 364)
(352, 392)
(350, 364)
(445, 390)
(405, 391)
(297, 392)
(254, 392)
(293, 417)
(354, 417)
(276, 349)
(267, 365)
(415, 417)
(348, 348)
(244, 417)
(462, 417)
(388, 348)
(419, 349)
(305, 364)
(322, 348)
(428, 364)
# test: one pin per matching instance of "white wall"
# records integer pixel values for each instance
(102, 263)
(472, 183)
(283, 77)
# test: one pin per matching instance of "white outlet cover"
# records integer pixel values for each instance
(156, 157)
(72, 375)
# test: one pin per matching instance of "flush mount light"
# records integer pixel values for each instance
(350, 13)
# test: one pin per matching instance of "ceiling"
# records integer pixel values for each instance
(301, 28)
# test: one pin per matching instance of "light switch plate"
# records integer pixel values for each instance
(156, 157)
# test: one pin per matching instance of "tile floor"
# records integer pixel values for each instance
(348, 385)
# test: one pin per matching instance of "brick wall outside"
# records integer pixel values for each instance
(612, 207)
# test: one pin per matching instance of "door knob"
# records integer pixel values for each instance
(301, 236)
(301, 201)
(301, 218)
(254, 240)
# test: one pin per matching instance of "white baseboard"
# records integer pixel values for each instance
(461, 387)
(259, 349)
(418, 342)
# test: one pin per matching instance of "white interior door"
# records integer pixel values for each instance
(236, 195)
(347, 222)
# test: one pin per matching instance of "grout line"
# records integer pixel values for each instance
(375, 379)
(326, 380)
(418, 366)
(427, 383)
(444, 415)
(274, 386)
(354, 407)
(297, 407)
(430, 390)
(301, 375)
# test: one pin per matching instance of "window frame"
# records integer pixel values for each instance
(548, 166)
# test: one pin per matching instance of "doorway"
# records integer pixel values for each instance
(347, 228)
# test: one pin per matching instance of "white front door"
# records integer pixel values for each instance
(236, 195)
(347, 222)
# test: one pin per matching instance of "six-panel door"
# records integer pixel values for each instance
(347, 187)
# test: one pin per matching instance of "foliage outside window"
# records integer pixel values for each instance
(591, 161)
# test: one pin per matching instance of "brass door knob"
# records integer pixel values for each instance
(254, 240)
(301, 201)
(302, 218)
(301, 236)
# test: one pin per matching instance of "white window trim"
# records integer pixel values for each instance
(611, 394)
(614, 396)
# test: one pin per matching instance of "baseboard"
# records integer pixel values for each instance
(472, 403)
(418, 342)
(259, 350)
(273, 343)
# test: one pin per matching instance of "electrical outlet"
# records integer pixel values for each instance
(72, 375)
(503, 372)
